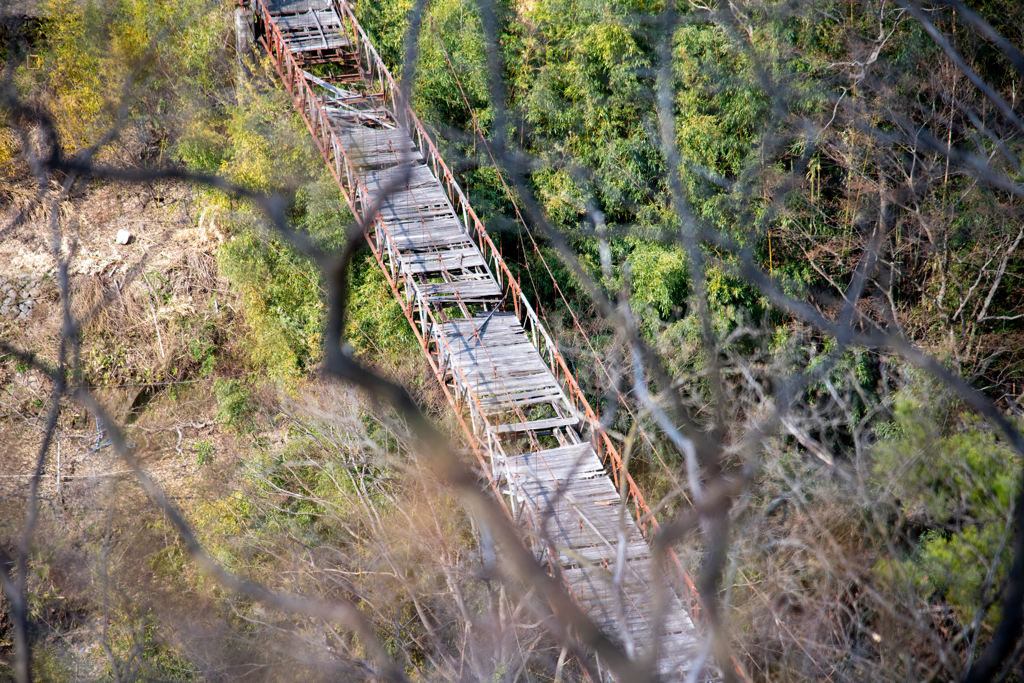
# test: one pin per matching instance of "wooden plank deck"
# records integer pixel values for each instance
(578, 516)
(426, 235)
(502, 368)
(376, 147)
(535, 426)
(422, 228)
(461, 257)
(483, 290)
(575, 513)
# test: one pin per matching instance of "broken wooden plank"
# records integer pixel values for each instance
(466, 291)
(460, 258)
(535, 425)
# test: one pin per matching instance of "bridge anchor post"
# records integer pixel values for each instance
(245, 39)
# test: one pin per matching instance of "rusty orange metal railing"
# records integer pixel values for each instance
(383, 89)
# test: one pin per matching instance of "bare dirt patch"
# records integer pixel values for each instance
(143, 308)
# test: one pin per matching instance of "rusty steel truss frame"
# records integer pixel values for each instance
(424, 321)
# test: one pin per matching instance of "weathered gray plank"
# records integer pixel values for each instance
(536, 425)
(575, 508)
(459, 258)
(379, 147)
(466, 291)
(426, 235)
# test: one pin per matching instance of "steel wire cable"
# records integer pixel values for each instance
(521, 223)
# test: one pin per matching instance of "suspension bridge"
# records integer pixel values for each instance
(522, 410)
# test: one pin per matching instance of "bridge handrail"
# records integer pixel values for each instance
(526, 312)
(346, 174)
(356, 194)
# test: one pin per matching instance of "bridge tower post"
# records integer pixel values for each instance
(245, 41)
